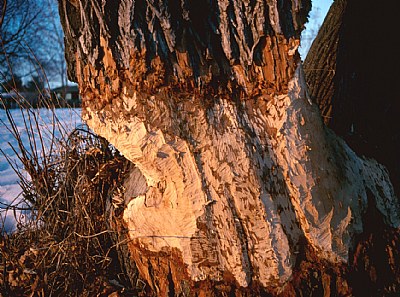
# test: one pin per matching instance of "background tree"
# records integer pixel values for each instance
(53, 39)
(35, 84)
(350, 76)
(31, 40)
(12, 83)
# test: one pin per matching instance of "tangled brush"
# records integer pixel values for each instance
(73, 243)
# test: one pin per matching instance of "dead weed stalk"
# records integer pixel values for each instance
(68, 246)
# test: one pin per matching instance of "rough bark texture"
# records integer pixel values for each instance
(236, 181)
(320, 63)
(351, 70)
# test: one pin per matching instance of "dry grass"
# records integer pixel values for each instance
(70, 244)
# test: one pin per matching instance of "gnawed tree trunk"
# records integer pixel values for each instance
(235, 178)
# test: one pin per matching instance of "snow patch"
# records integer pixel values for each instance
(10, 190)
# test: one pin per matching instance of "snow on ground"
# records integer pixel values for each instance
(10, 191)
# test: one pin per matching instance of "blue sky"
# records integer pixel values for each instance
(323, 5)
(319, 10)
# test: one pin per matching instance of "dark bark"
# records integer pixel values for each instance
(215, 43)
(351, 71)
(320, 63)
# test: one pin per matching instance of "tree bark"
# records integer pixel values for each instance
(350, 74)
(321, 61)
(235, 177)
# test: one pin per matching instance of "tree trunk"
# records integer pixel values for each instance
(350, 71)
(320, 63)
(235, 177)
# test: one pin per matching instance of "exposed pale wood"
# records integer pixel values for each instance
(235, 172)
(236, 199)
